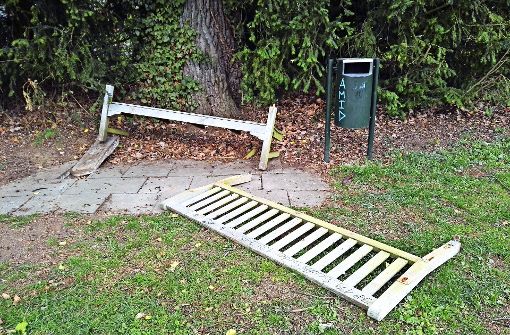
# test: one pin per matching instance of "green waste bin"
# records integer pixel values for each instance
(354, 88)
(351, 95)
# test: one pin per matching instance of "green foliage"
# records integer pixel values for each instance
(286, 45)
(167, 49)
(439, 52)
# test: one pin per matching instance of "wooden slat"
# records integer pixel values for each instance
(309, 239)
(236, 212)
(342, 231)
(209, 200)
(201, 196)
(334, 254)
(280, 230)
(383, 277)
(227, 208)
(366, 268)
(258, 220)
(95, 156)
(269, 225)
(247, 216)
(280, 244)
(218, 204)
(349, 262)
(351, 294)
(310, 254)
(412, 277)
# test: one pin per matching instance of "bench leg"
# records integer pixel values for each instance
(103, 125)
(266, 145)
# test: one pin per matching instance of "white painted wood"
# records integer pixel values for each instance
(222, 210)
(280, 231)
(377, 308)
(268, 137)
(316, 250)
(201, 196)
(258, 220)
(383, 277)
(103, 124)
(402, 286)
(333, 228)
(256, 129)
(349, 262)
(366, 268)
(309, 239)
(210, 200)
(331, 256)
(349, 293)
(218, 204)
(245, 217)
(268, 225)
(280, 244)
(238, 211)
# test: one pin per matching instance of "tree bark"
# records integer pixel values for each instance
(218, 75)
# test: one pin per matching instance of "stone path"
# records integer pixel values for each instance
(139, 189)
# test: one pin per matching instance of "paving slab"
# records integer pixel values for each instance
(233, 168)
(109, 172)
(37, 205)
(31, 186)
(166, 187)
(56, 173)
(192, 168)
(307, 198)
(9, 204)
(293, 180)
(279, 196)
(86, 203)
(160, 169)
(131, 203)
(107, 185)
(254, 184)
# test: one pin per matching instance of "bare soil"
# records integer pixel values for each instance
(57, 134)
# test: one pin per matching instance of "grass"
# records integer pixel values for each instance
(187, 280)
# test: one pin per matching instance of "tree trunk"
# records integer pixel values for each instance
(218, 75)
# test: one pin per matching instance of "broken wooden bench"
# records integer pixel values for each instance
(368, 273)
(105, 144)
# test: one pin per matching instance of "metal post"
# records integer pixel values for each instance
(373, 107)
(329, 91)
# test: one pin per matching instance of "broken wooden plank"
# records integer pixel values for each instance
(95, 156)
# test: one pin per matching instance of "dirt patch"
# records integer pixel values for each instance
(36, 242)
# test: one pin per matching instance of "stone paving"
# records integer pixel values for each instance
(138, 189)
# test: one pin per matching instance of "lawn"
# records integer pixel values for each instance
(166, 275)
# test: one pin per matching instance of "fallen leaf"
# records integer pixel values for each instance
(211, 287)
(208, 309)
(6, 296)
(231, 332)
(175, 215)
(61, 267)
(62, 243)
(198, 245)
(140, 315)
(174, 265)
(16, 300)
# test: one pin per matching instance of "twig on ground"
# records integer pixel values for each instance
(503, 321)
(300, 309)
